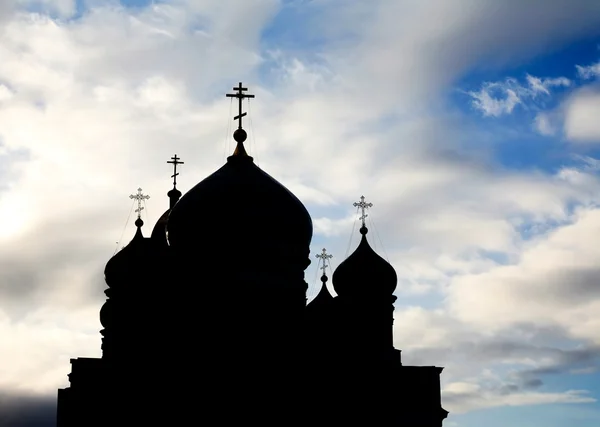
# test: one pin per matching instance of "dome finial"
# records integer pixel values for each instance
(323, 297)
(240, 134)
(140, 197)
(324, 256)
(363, 206)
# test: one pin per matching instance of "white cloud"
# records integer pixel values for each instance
(5, 93)
(576, 116)
(537, 85)
(61, 8)
(581, 111)
(99, 121)
(492, 106)
(543, 124)
(40, 345)
(499, 98)
(330, 227)
(413, 51)
(588, 71)
(553, 283)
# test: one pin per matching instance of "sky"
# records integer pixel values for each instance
(471, 125)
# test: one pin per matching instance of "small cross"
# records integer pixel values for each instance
(240, 95)
(175, 161)
(363, 207)
(324, 256)
(140, 198)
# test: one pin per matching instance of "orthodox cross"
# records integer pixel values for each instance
(240, 95)
(175, 161)
(140, 197)
(363, 207)
(324, 256)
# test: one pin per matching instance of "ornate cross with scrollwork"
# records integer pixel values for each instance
(363, 207)
(140, 197)
(324, 256)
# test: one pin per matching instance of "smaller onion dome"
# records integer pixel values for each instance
(364, 273)
(119, 267)
(323, 298)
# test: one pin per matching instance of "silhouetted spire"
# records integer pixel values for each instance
(323, 295)
(174, 194)
(319, 313)
(240, 134)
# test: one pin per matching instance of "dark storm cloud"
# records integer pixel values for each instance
(566, 286)
(532, 383)
(503, 349)
(539, 344)
(565, 362)
(508, 389)
(26, 411)
(573, 285)
(58, 256)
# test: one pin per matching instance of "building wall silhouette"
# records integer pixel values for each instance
(206, 322)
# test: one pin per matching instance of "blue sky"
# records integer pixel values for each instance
(471, 126)
(517, 144)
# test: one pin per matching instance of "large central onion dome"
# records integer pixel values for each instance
(241, 214)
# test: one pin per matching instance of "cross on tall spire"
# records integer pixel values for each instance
(363, 207)
(324, 256)
(140, 197)
(240, 95)
(175, 161)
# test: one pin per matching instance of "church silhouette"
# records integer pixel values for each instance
(206, 321)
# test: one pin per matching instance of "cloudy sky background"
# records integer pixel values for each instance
(471, 125)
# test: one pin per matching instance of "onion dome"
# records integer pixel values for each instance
(119, 267)
(122, 270)
(364, 273)
(243, 204)
(323, 298)
(239, 213)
